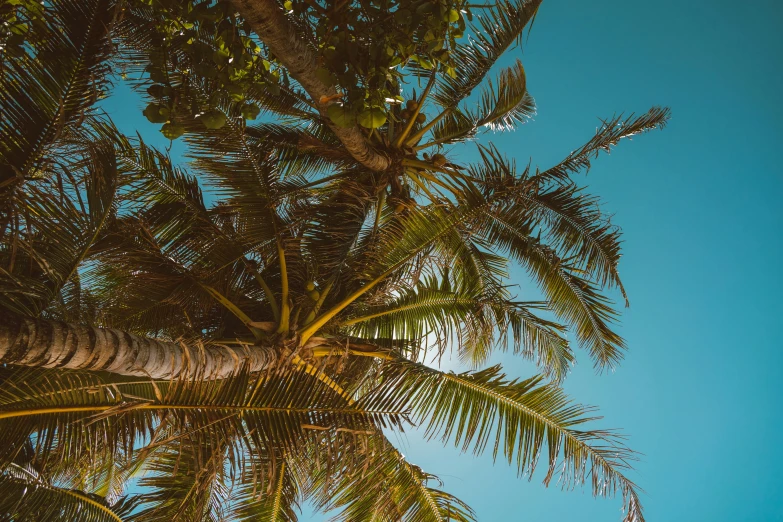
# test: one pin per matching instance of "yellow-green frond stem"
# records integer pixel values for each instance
(308, 368)
(234, 309)
(412, 120)
(424, 130)
(356, 320)
(308, 331)
(285, 311)
(321, 376)
(270, 297)
(422, 165)
(429, 144)
(379, 209)
(421, 170)
(30, 488)
(415, 178)
(328, 351)
(450, 220)
(278, 493)
(390, 130)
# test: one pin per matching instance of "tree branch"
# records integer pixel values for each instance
(269, 22)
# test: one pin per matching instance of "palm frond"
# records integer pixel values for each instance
(455, 127)
(389, 488)
(570, 219)
(500, 106)
(28, 499)
(422, 231)
(276, 504)
(508, 104)
(62, 223)
(517, 418)
(576, 300)
(47, 91)
(574, 248)
(336, 223)
(186, 483)
(75, 408)
(496, 30)
(607, 135)
(477, 318)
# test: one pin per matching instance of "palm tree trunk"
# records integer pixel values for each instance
(269, 22)
(53, 344)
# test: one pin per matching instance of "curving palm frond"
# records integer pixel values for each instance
(495, 31)
(31, 499)
(50, 89)
(278, 503)
(485, 409)
(62, 222)
(606, 136)
(477, 319)
(57, 167)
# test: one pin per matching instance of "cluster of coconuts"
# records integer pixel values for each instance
(312, 293)
(438, 160)
(401, 207)
(410, 108)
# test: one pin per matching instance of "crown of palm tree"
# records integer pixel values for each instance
(259, 349)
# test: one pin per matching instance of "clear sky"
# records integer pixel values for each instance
(700, 392)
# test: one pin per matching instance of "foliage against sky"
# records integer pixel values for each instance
(338, 247)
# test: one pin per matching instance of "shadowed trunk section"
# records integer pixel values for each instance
(54, 344)
(268, 21)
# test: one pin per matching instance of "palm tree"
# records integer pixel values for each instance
(280, 331)
(335, 296)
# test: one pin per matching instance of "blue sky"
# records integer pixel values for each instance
(699, 392)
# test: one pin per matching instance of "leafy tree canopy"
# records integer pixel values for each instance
(344, 248)
(361, 48)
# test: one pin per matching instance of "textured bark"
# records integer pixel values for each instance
(269, 22)
(54, 344)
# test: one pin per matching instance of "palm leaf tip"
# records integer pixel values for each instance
(608, 134)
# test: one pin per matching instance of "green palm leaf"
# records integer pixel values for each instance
(34, 500)
(507, 105)
(517, 419)
(455, 127)
(185, 483)
(278, 503)
(574, 247)
(477, 318)
(62, 225)
(496, 30)
(608, 135)
(387, 487)
(82, 412)
(47, 90)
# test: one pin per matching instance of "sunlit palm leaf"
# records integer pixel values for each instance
(607, 135)
(496, 30)
(388, 488)
(508, 104)
(517, 419)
